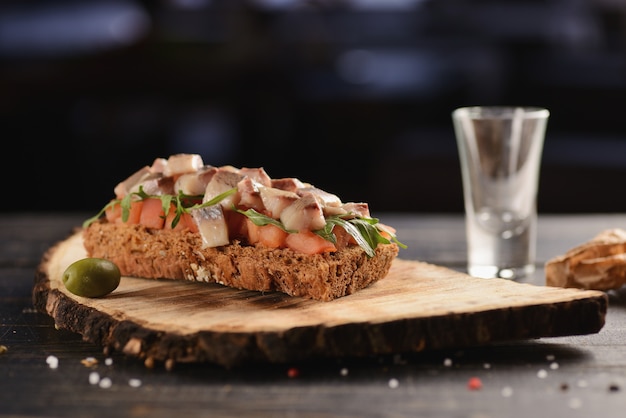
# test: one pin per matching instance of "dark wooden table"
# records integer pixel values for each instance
(576, 376)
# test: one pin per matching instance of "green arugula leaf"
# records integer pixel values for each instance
(365, 231)
(217, 199)
(166, 201)
(125, 204)
(261, 220)
(327, 232)
(362, 235)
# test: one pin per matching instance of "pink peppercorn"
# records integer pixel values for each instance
(474, 383)
(293, 372)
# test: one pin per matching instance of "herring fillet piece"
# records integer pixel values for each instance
(211, 225)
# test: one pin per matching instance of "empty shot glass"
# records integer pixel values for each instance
(500, 150)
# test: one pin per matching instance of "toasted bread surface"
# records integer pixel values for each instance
(179, 255)
(598, 264)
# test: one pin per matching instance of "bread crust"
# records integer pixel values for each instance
(165, 254)
(598, 264)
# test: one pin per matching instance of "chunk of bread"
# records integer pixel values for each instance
(599, 264)
(152, 254)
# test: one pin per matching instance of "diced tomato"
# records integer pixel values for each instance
(152, 214)
(171, 214)
(189, 222)
(149, 212)
(113, 213)
(252, 231)
(237, 224)
(308, 242)
(267, 235)
(343, 238)
(134, 214)
(272, 236)
(386, 231)
(185, 222)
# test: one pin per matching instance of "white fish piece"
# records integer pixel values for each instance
(276, 200)
(257, 174)
(158, 165)
(290, 184)
(194, 184)
(304, 213)
(125, 187)
(334, 210)
(155, 184)
(355, 209)
(230, 168)
(182, 163)
(249, 192)
(358, 208)
(325, 198)
(211, 226)
(222, 181)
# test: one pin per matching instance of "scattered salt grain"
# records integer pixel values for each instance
(108, 361)
(550, 357)
(542, 374)
(507, 391)
(487, 366)
(343, 372)
(105, 383)
(393, 383)
(135, 383)
(52, 361)
(581, 383)
(447, 362)
(94, 378)
(554, 365)
(575, 403)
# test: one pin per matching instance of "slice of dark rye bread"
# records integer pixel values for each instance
(166, 254)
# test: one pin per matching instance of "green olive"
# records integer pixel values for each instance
(92, 277)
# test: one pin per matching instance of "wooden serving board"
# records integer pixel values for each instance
(417, 307)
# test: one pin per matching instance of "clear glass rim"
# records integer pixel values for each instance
(501, 112)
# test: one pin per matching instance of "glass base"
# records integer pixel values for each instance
(494, 272)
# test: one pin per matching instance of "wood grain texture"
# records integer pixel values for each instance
(417, 307)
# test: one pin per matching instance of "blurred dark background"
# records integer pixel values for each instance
(352, 96)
